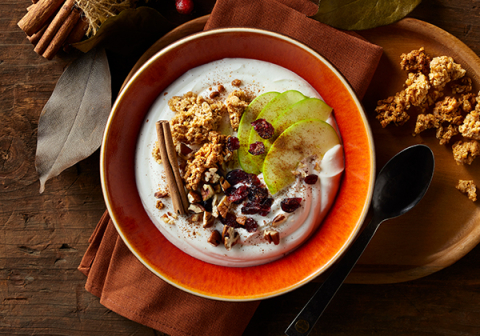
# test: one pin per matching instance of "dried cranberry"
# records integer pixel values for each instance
(229, 220)
(251, 225)
(311, 179)
(257, 194)
(237, 194)
(233, 143)
(250, 208)
(257, 148)
(290, 204)
(263, 128)
(253, 180)
(235, 176)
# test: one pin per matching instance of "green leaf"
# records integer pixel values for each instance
(363, 14)
(128, 31)
(73, 120)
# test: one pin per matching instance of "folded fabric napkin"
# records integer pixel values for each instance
(120, 280)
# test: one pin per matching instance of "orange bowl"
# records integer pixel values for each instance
(144, 239)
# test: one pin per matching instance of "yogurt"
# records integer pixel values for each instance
(251, 249)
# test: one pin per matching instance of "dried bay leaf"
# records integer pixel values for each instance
(73, 120)
(363, 14)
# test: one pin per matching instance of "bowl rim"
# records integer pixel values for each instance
(187, 39)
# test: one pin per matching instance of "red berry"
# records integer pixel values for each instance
(263, 128)
(233, 143)
(257, 148)
(290, 204)
(236, 176)
(311, 179)
(184, 6)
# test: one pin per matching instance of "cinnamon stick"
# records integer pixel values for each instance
(54, 26)
(36, 18)
(77, 33)
(172, 158)
(62, 33)
(37, 36)
(172, 183)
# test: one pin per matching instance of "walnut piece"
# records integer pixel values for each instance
(230, 237)
(468, 187)
(195, 118)
(223, 206)
(464, 152)
(215, 238)
(416, 61)
(237, 101)
(159, 205)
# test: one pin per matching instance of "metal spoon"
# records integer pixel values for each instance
(400, 185)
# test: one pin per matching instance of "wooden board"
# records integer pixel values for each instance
(442, 228)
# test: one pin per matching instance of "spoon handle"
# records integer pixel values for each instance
(303, 324)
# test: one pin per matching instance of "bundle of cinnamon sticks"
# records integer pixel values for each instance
(53, 24)
(170, 164)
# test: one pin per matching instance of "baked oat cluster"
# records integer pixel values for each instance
(439, 92)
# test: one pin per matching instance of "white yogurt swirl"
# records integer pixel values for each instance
(252, 249)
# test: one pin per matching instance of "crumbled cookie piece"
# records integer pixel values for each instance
(424, 122)
(237, 101)
(195, 118)
(464, 152)
(468, 187)
(393, 109)
(416, 61)
(463, 86)
(417, 87)
(471, 125)
(211, 155)
(444, 70)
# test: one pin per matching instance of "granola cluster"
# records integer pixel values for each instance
(236, 102)
(469, 188)
(440, 92)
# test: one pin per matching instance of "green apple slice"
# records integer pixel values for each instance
(270, 112)
(250, 114)
(301, 140)
(310, 108)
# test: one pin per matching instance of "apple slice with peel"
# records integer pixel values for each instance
(310, 108)
(270, 112)
(250, 114)
(301, 140)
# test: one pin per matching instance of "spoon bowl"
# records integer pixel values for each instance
(400, 185)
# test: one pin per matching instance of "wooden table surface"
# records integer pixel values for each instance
(43, 237)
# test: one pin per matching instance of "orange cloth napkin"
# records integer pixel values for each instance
(123, 283)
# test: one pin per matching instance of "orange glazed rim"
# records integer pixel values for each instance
(320, 251)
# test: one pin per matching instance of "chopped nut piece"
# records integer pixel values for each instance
(197, 208)
(194, 197)
(468, 187)
(217, 188)
(183, 150)
(272, 236)
(223, 206)
(279, 219)
(220, 88)
(236, 82)
(159, 205)
(215, 206)
(215, 238)
(214, 94)
(198, 217)
(195, 118)
(241, 220)
(207, 192)
(471, 125)
(167, 219)
(161, 194)
(444, 70)
(465, 151)
(416, 61)
(208, 219)
(229, 236)
(236, 102)
(225, 184)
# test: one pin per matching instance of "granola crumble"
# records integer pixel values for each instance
(471, 125)
(393, 109)
(464, 152)
(468, 187)
(424, 122)
(195, 118)
(237, 101)
(463, 86)
(444, 70)
(416, 61)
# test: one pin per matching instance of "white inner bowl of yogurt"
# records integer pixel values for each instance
(252, 246)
